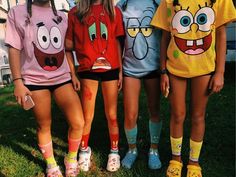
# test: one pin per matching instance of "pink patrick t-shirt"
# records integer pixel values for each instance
(40, 39)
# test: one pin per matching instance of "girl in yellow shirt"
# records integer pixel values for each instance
(193, 48)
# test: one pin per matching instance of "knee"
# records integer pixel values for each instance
(112, 120)
(78, 125)
(198, 118)
(130, 120)
(178, 117)
(88, 118)
(44, 127)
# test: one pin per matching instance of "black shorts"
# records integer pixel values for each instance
(46, 87)
(102, 76)
(151, 75)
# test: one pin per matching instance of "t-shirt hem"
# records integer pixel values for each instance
(191, 76)
(226, 21)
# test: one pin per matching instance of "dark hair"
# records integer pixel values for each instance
(124, 5)
(176, 2)
(29, 8)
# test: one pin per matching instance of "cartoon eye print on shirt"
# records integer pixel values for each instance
(139, 30)
(92, 32)
(146, 31)
(49, 52)
(103, 29)
(98, 34)
(186, 23)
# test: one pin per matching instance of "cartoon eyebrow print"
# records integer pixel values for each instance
(40, 24)
(56, 21)
(148, 11)
(133, 26)
(150, 8)
(181, 8)
(144, 18)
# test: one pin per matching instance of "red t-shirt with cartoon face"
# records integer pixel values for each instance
(95, 40)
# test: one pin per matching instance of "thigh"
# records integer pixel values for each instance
(177, 96)
(152, 88)
(199, 94)
(42, 108)
(131, 92)
(88, 93)
(110, 96)
(68, 100)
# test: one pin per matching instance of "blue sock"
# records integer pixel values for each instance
(131, 155)
(155, 131)
(131, 135)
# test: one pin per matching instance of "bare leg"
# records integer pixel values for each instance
(199, 99)
(88, 97)
(131, 103)
(42, 112)
(152, 88)
(68, 100)
(110, 94)
(178, 107)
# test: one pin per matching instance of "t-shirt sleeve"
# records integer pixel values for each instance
(13, 36)
(70, 27)
(119, 23)
(226, 12)
(160, 19)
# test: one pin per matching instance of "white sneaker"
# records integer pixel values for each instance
(85, 160)
(113, 163)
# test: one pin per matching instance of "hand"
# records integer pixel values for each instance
(120, 81)
(216, 83)
(165, 84)
(20, 92)
(75, 82)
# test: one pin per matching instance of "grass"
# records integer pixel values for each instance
(20, 157)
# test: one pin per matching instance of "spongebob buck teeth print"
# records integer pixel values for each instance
(185, 22)
(192, 26)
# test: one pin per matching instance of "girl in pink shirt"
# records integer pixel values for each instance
(35, 36)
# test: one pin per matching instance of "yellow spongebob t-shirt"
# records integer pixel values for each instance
(192, 25)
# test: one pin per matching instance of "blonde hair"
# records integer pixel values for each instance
(84, 6)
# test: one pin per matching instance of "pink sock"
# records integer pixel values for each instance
(73, 144)
(46, 150)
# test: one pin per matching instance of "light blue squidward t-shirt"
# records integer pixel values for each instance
(142, 42)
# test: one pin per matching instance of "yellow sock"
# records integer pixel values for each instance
(51, 162)
(72, 157)
(195, 149)
(176, 145)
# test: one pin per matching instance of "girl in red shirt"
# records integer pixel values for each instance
(93, 31)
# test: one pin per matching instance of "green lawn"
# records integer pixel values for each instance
(20, 157)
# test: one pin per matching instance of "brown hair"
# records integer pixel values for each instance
(85, 5)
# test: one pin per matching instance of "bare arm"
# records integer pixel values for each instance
(217, 81)
(69, 55)
(163, 56)
(121, 67)
(20, 91)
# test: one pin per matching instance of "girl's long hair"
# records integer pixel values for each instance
(176, 2)
(84, 6)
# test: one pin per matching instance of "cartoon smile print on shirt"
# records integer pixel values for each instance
(49, 43)
(187, 24)
(98, 35)
(139, 29)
